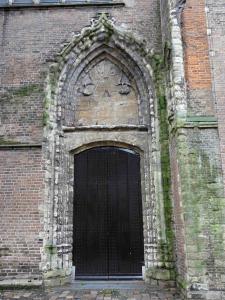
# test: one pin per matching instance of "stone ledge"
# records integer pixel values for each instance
(200, 125)
(201, 119)
(13, 146)
(206, 295)
(20, 282)
(201, 122)
(60, 3)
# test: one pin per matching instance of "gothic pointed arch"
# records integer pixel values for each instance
(102, 81)
(103, 48)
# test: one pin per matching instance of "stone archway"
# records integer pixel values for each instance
(99, 90)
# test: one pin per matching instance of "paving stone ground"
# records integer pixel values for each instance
(71, 293)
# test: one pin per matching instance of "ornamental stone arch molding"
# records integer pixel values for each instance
(102, 89)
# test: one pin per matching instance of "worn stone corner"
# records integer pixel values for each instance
(160, 274)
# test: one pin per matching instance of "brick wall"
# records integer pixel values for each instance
(30, 39)
(197, 65)
(216, 19)
(21, 114)
(21, 194)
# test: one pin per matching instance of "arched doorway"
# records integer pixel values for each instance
(108, 225)
(100, 92)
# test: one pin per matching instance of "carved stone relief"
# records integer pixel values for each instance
(106, 96)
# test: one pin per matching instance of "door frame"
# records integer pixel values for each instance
(152, 210)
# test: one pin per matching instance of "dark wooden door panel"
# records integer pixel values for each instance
(119, 214)
(108, 231)
(90, 220)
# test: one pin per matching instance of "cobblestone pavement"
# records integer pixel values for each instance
(68, 293)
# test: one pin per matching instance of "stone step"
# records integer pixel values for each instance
(141, 292)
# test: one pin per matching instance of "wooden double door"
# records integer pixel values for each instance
(108, 228)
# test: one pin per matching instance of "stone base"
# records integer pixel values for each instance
(160, 277)
(205, 295)
(168, 285)
(57, 281)
(21, 283)
(57, 277)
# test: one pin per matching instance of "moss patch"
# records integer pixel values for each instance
(26, 90)
(20, 92)
(160, 274)
(159, 67)
(6, 142)
(50, 249)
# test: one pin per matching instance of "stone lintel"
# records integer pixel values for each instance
(107, 128)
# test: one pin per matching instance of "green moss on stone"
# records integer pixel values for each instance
(157, 62)
(51, 249)
(6, 142)
(181, 283)
(203, 202)
(160, 274)
(26, 90)
(46, 107)
(45, 118)
(19, 93)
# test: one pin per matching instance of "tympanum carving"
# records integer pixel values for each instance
(106, 95)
